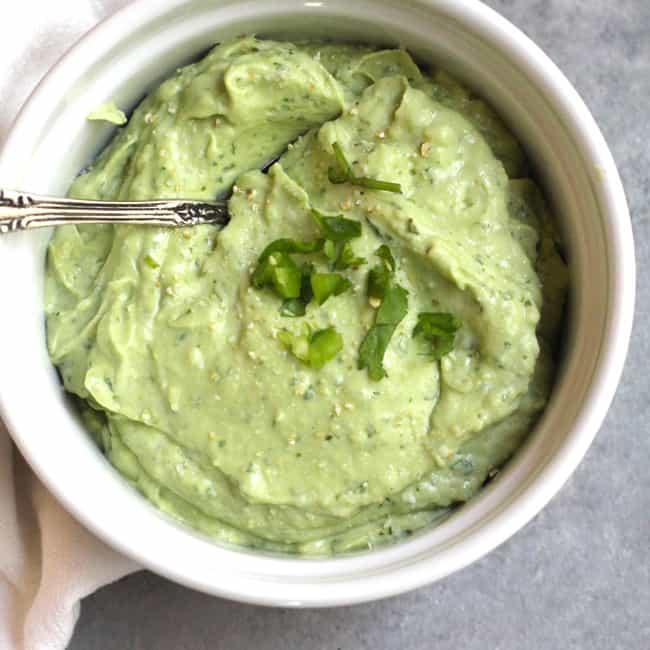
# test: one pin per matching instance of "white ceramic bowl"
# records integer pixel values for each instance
(129, 53)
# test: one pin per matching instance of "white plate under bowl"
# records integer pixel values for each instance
(133, 50)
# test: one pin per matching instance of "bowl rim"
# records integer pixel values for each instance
(512, 515)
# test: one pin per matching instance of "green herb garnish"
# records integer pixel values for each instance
(292, 246)
(286, 281)
(347, 258)
(392, 302)
(337, 228)
(330, 249)
(392, 310)
(343, 174)
(279, 272)
(383, 252)
(374, 184)
(313, 348)
(324, 345)
(439, 331)
(342, 255)
(295, 307)
(378, 279)
(298, 345)
(276, 268)
(380, 275)
(325, 285)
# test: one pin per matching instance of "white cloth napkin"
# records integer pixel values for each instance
(48, 562)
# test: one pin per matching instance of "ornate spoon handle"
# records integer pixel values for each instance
(22, 211)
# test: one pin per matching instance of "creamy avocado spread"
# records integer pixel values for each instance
(360, 348)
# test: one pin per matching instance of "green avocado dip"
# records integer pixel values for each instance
(360, 348)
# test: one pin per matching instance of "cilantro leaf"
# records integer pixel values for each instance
(392, 302)
(372, 350)
(342, 255)
(337, 228)
(383, 252)
(392, 310)
(393, 307)
(380, 275)
(378, 279)
(438, 329)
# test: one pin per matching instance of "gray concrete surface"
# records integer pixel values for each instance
(577, 577)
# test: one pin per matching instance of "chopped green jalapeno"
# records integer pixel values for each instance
(325, 285)
(279, 272)
(295, 307)
(347, 258)
(314, 349)
(324, 345)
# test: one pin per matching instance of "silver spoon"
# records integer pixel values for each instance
(24, 211)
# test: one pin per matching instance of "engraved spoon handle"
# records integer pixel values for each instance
(22, 211)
